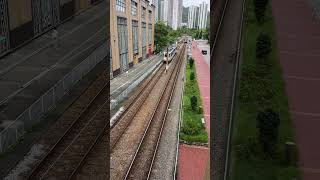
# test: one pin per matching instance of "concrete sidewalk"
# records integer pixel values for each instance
(33, 69)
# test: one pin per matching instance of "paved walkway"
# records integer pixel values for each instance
(192, 162)
(31, 70)
(203, 45)
(203, 77)
(193, 159)
(122, 81)
(298, 38)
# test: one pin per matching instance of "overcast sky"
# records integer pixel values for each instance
(187, 3)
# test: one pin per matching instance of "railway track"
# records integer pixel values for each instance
(90, 162)
(226, 52)
(64, 155)
(142, 163)
(130, 138)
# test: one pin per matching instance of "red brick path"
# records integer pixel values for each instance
(203, 77)
(192, 160)
(299, 44)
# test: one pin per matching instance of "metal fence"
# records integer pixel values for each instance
(49, 100)
(180, 123)
(125, 93)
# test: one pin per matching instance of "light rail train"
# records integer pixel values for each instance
(173, 50)
(168, 56)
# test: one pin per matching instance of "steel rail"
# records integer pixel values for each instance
(165, 116)
(235, 79)
(132, 103)
(34, 170)
(85, 157)
(97, 140)
(219, 29)
(151, 119)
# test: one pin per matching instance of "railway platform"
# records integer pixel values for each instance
(29, 72)
(35, 77)
(122, 85)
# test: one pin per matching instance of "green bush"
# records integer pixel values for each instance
(248, 78)
(194, 103)
(268, 123)
(264, 93)
(191, 62)
(260, 9)
(191, 127)
(192, 76)
(263, 47)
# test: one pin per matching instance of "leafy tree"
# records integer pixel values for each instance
(193, 101)
(268, 123)
(206, 34)
(263, 47)
(200, 34)
(161, 35)
(260, 9)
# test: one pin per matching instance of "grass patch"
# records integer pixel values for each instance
(254, 94)
(192, 128)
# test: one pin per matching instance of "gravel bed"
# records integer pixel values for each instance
(123, 151)
(23, 166)
(222, 85)
(96, 165)
(143, 160)
(55, 132)
(164, 165)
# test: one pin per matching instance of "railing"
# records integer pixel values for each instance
(31, 116)
(175, 173)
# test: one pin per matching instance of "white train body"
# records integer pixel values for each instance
(171, 54)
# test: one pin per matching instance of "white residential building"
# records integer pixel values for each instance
(164, 11)
(171, 12)
(203, 15)
(176, 14)
(192, 17)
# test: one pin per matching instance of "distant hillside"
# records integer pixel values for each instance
(185, 11)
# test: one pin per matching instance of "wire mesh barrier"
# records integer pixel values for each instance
(125, 93)
(31, 116)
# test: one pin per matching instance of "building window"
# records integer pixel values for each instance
(150, 34)
(134, 8)
(135, 36)
(143, 12)
(121, 5)
(150, 15)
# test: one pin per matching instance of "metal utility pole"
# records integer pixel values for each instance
(167, 62)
